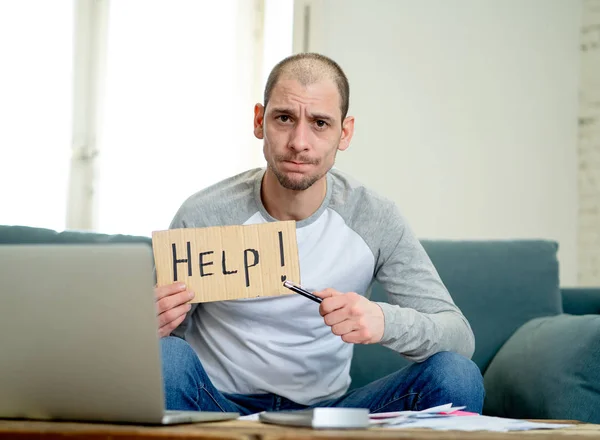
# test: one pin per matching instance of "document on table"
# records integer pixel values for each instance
(250, 417)
(399, 416)
(446, 417)
(474, 423)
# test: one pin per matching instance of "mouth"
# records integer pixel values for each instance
(296, 165)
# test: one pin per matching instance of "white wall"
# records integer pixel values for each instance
(466, 111)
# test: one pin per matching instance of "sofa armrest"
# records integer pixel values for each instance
(548, 369)
(581, 300)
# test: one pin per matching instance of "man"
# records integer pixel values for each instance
(287, 352)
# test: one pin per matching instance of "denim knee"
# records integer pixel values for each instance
(456, 377)
(180, 362)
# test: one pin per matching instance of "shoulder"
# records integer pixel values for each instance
(226, 202)
(372, 216)
(350, 198)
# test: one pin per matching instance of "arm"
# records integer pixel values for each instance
(421, 318)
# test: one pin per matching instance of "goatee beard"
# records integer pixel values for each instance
(294, 185)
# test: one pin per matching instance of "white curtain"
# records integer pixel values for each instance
(36, 46)
(181, 79)
(180, 87)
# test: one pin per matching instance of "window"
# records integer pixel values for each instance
(180, 88)
(36, 43)
(177, 87)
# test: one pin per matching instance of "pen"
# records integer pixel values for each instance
(298, 289)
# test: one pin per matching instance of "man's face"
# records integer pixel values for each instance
(302, 131)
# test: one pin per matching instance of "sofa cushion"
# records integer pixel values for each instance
(550, 368)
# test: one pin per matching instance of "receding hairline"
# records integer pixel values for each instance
(307, 72)
(285, 78)
(307, 69)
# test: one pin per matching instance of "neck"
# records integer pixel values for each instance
(286, 204)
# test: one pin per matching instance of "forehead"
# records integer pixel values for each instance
(321, 95)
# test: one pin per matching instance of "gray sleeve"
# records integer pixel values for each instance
(421, 318)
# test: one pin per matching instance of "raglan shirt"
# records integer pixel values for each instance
(280, 344)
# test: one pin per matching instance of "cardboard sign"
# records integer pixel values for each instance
(228, 262)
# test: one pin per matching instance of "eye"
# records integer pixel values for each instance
(283, 118)
(321, 123)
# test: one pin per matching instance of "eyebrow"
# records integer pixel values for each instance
(288, 110)
(321, 116)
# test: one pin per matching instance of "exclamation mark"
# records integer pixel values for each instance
(281, 256)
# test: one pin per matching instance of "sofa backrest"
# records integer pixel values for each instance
(31, 235)
(499, 285)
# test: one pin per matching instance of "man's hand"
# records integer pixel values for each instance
(172, 305)
(351, 316)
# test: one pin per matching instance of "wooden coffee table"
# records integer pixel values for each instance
(245, 430)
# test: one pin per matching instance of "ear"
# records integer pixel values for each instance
(259, 115)
(347, 132)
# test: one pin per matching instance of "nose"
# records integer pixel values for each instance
(299, 139)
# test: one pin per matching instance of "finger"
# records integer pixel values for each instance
(357, 337)
(343, 328)
(167, 329)
(326, 293)
(333, 303)
(335, 317)
(170, 289)
(173, 301)
(172, 314)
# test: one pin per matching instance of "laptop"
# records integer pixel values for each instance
(79, 336)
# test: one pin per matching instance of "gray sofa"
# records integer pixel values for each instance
(537, 345)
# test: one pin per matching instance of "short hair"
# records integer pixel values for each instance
(309, 68)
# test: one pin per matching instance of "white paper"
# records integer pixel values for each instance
(433, 410)
(250, 417)
(398, 417)
(472, 423)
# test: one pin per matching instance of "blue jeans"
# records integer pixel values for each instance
(443, 378)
